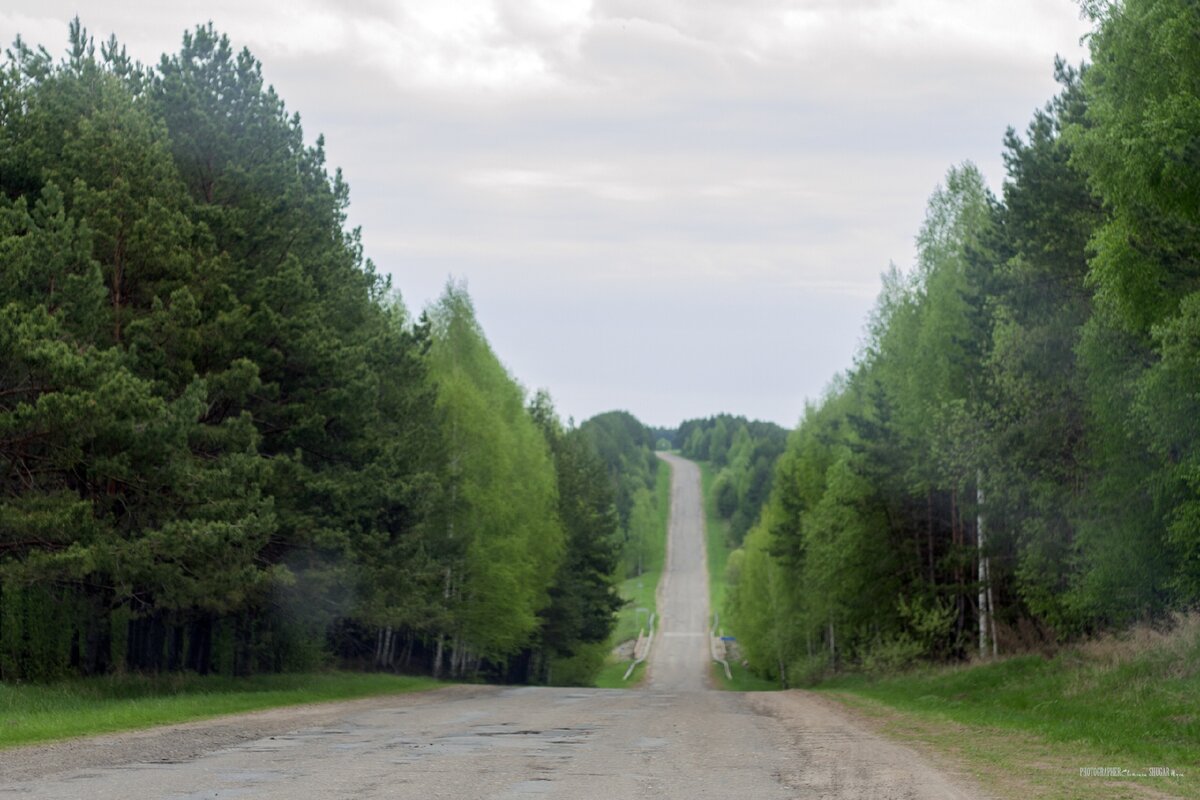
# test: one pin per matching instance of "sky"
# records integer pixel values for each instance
(673, 207)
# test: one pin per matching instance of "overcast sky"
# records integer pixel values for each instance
(675, 207)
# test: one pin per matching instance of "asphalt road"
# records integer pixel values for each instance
(676, 737)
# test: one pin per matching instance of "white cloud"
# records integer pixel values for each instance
(47, 30)
(294, 28)
(468, 57)
(595, 180)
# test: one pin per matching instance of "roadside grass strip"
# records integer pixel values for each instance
(32, 713)
(639, 594)
(716, 535)
(1115, 717)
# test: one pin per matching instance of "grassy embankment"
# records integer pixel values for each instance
(38, 713)
(1026, 725)
(717, 539)
(640, 592)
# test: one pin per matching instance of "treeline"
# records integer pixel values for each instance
(742, 453)
(626, 447)
(1015, 456)
(224, 443)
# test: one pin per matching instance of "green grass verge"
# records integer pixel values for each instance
(40, 713)
(743, 680)
(640, 593)
(612, 675)
(1130, 703)
(716, 537)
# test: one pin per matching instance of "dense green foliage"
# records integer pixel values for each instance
(224, 444)
(627, 448)
(743, 454)
(719, 548)
(1021, 430)
(639, 590)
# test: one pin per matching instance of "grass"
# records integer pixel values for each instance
(39, 713)
(1028, 724)
(612, 675)
(716, 535)
(640, 593)
(743, 680)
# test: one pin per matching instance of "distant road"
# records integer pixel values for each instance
(679, 660)
(675, 738)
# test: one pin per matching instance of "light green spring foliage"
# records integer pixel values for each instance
(743, 452)
(572, 641)
(1044, 349)
(501, 482)
(1141, 152)
(626, 447)
(643, 545)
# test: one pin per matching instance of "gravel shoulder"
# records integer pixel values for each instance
(838, 756)
(190, 740)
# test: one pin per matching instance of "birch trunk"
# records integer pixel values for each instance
(437, 656)
(991, 608)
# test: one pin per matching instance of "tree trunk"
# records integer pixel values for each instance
(929, 530)
(832, 645)
(987, 571)
(175, 649)
(118, 281)
(199, 657)
(437, 655)
(408, 650)
(983, 567)
(958, 539)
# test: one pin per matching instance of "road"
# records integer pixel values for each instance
(676, 737)
(679, 659)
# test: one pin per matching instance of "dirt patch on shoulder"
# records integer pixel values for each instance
(839, 756)
(1010, 764)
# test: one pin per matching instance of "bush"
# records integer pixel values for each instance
(893, 654)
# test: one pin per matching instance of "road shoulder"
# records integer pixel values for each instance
(1008, 765)
(839, 753)
(190, 740)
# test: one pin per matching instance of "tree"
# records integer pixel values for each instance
(502, 499)
(576, 623)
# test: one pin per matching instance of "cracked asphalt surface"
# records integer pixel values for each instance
(675, 737)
